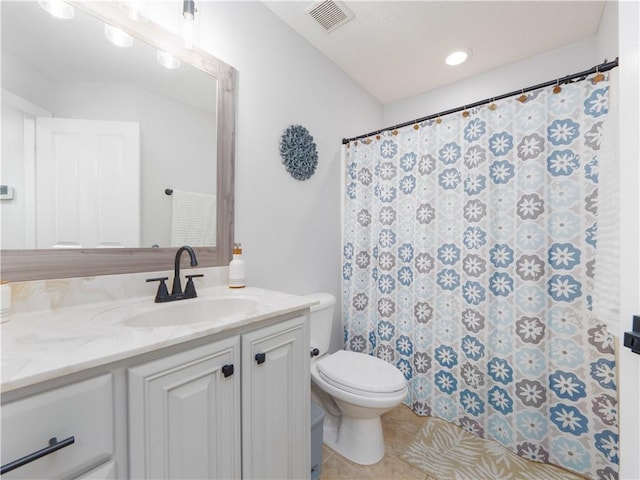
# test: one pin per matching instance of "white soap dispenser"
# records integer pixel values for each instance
(236, 268)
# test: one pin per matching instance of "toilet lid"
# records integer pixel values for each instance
(359, 372)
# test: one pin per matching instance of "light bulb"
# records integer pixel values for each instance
(188, 9)
(458, 57)
(118, 37)
(57, 8)
(167, 60)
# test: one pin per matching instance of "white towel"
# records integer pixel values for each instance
(193, 219)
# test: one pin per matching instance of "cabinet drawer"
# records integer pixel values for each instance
(83, 410)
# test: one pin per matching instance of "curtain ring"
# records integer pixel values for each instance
(492, 105)
(522, 98)
(557, 88)
(599, 76)
(465, 113)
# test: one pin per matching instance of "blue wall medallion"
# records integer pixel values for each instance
(298, 152)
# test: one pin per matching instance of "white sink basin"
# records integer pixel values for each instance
(195, 310)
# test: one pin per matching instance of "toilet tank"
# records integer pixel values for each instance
(321, 321)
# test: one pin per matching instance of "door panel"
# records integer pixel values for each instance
(184, 415)
(87, 183)
(275, 409)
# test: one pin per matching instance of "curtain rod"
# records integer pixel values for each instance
(603, 67)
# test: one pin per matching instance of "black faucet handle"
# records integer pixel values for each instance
(190, 288)
(162, 292)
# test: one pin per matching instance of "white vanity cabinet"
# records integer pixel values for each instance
(234, 408)
(184, 415)
(79, 414)
(275, 402)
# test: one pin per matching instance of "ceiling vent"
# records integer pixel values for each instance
(330, 14)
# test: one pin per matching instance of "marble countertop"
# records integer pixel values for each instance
(45, 345)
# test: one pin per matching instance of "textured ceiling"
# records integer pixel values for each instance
(396, 49)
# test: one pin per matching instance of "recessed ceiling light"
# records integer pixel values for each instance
(57, 8)
(458, 57)
(118, 37)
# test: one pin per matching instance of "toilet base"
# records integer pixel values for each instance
(358, 439)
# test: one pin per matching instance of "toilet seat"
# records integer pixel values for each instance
(361, 374)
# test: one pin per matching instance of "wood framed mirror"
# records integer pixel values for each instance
(23, 264)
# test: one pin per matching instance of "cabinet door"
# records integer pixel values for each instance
(275, 407)
(106, 471)
(184, 414)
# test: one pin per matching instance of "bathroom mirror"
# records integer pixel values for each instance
(208, 89)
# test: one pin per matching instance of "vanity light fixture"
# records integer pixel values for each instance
(190, 24)
(117, 36)
(188, 9)
(57, 8)
(167, 60)
(458, 57)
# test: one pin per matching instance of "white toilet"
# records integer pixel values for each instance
(362, 386)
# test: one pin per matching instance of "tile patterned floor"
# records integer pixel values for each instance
(400, 426)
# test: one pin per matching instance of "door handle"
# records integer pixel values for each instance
(54, 445)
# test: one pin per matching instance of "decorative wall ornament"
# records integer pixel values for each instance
(298, 152)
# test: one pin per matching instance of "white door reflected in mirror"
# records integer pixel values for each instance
(87, 183)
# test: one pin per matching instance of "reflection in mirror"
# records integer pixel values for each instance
(94, 137)
(113, 129)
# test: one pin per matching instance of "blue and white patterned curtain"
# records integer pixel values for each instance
(468, 263)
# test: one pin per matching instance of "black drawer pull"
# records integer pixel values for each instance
(54, 445)
(227, 370)
(260, 358)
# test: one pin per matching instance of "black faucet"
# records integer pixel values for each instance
(176, 291)
(177, 288)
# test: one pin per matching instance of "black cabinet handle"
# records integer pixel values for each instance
(632, 339)
(54, 445)
(227, 370)
(260, 358)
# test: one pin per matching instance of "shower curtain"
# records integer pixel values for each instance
(468, 262)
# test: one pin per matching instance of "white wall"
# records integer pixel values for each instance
(25, 81)
(565, 60)
(571, 58)
(628, 362)
(13, 211)
(290, 230)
